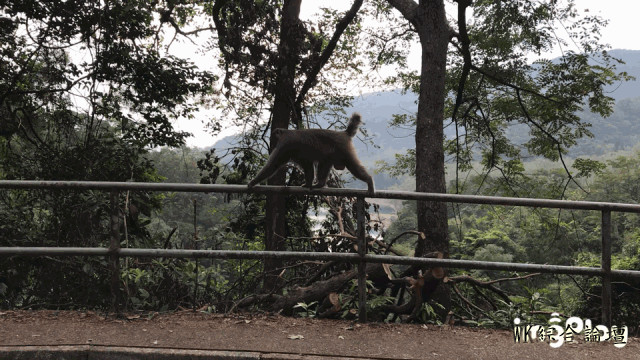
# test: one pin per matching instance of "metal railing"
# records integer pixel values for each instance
(114, 252)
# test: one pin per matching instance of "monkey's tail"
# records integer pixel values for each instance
(354, 123)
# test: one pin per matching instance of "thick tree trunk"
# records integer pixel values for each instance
(288, 55)
(433, 30)
(430, 173)
(429, 19)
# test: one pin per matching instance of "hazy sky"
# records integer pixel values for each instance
(621, 33)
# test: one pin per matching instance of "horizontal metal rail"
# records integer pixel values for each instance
(323, 256)
(296, 190)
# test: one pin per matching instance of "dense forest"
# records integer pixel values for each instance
(94, 91)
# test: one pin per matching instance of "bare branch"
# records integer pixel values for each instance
(489, 284)
(414, 232)
(465, 300)
(468, 278)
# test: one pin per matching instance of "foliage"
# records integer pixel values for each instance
(555, 237)
(307, 310)
(494, 87)
(126, 80)
(85, 92)
(64, 218)
(428, 314)
(374, 305)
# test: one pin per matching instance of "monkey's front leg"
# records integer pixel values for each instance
(361, 173)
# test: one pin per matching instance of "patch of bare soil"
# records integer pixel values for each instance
(278, 334)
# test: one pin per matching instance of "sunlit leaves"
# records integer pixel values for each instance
(588, 167)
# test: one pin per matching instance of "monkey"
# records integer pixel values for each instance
(327, 148)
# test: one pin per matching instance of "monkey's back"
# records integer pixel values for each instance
(315, 144)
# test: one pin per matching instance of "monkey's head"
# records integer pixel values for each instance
(277, 133)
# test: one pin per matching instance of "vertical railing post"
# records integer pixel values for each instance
(195, 246)
(606, 267)
(362, 266)
(114, 247)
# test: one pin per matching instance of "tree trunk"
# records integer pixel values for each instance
(284, 99)
(429, 19)
(432, 216)
(433, 30)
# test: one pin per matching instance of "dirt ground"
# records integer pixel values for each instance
(278, 334)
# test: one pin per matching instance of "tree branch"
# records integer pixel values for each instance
(556, 141)
(489, 284)
(414, 232)
(326, 54)
(466, 301)
(408, 9)
(466, 69)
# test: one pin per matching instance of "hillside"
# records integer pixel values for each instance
(620, 131)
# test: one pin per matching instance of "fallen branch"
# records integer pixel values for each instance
(468, 278)
(388, 248)
(421, 234)
(466, 301)
(488, 284)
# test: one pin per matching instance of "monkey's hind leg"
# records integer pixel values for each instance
(307, 167)
(324, 167)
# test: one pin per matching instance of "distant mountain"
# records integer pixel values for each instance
(628, 89)
(620, 131)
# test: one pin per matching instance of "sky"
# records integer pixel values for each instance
(620, 33)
